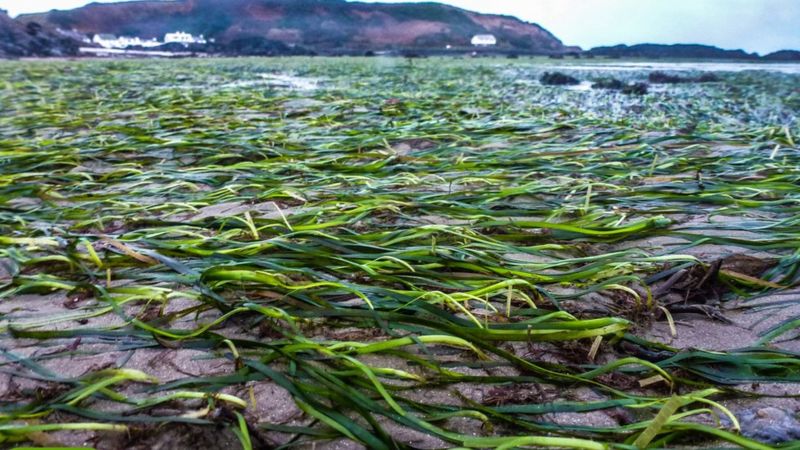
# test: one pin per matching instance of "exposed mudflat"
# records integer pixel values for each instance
(354, 253)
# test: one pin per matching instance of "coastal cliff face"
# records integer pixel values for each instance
(18, 39)
(317, 25)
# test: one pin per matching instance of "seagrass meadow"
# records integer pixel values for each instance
(394, 254)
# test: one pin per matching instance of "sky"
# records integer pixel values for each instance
(754, 25)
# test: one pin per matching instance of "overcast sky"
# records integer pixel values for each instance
(754, 25)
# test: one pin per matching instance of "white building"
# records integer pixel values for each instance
(184, 38)
(105, 40)
(111, 41)
(484, 40)
(122, 42)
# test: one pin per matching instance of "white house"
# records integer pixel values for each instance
(484, 40)
(105, 40)
(184, 38)
(111, 41)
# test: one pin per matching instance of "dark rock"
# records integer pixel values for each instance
(613, 84)
(635, 89)
(664, 78)
(608, 83)
(558, 79)
(708, 77)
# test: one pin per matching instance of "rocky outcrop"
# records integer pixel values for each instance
(19, 39)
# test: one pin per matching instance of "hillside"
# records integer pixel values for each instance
(32, 39)
(655, 51)
(319, 25)
(783, 55)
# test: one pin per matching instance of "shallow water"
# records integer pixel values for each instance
(291, 81)
(771, 425)
(279, 80)
(582, 86)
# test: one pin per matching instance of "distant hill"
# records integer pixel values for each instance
(18, 40)
(655, 51)
(783, 55)
(318, 25)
